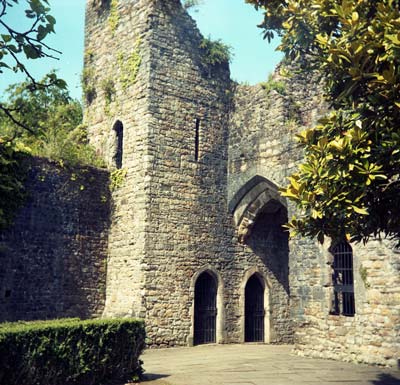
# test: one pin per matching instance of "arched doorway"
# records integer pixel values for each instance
(254, 310)
(205, 309)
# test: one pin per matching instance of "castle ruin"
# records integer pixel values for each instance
(193, 240)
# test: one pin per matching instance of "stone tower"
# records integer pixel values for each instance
(159, 110)
(165, 112)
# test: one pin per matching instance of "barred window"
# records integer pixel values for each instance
(343, 280)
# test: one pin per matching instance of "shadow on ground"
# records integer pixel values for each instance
(386, 379)
(154, 379)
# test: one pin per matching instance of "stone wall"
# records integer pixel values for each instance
(262, 148)
(373, 334)
(117, 45)
(199, 161)
(189, 228)
(53, 259)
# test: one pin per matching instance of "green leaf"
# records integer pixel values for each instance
(6, 38)
(51, 19)
(30, 52)
(359, 210)
(42, 33)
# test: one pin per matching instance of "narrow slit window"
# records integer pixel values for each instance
(197, 140)
(343, 280)
(119, 142)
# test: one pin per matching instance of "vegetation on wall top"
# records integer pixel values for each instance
(191, 4)
(274, 85)
(215, 52)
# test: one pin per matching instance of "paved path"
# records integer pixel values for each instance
(255, 365)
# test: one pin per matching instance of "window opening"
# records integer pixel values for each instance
(197, 140)
(119, 132)
(343, 280)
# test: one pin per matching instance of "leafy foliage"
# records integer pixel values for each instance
(349, 181)
(71, 351)
(113, 18)
(55, 132)
(215, 51)
(15, 46)
(108, 88)
(54, 121)
(117, 178)
(13, 174)
(88, 87)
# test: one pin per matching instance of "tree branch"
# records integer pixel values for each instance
(15, 121)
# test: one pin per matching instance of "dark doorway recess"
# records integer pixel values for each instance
(205, 309)
(254, 310)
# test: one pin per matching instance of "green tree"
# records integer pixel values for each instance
(54, 120)
(349, 181)
(16, 46)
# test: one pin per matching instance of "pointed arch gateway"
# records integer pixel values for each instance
(259, 213)
(256, 197)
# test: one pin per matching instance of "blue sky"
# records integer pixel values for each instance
(233, 21)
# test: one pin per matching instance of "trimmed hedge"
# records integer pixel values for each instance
(71, 351)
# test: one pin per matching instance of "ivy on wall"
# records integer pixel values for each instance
(13, 172)
(129, 65)
(113, 19)
(117, 178)
(88, 88)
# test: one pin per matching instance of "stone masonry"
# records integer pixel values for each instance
(199, 161)
(53, 259)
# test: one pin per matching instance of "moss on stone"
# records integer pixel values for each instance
(88, 88)
(129, 65)
(117, 178)
(113, 19)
